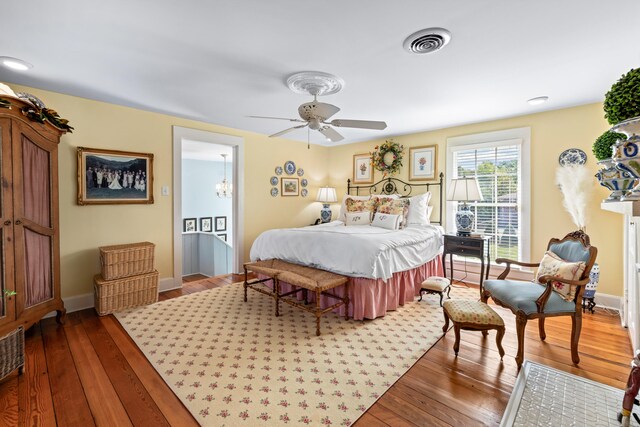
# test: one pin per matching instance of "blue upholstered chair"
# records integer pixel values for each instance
(528, 300)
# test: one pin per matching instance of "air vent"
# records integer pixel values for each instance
(427, 41)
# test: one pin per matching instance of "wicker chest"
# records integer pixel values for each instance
(128, 278)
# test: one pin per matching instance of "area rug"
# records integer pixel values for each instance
(235, 364)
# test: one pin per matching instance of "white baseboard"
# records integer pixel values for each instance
(608, 301)
(168, 283)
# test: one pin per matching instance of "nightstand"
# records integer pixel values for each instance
(476, 247)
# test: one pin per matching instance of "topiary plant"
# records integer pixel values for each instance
(622, 102)
(602, 146)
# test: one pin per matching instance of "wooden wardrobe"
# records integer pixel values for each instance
(29, 230)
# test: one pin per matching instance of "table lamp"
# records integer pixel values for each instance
(464, 190)
(326, 195)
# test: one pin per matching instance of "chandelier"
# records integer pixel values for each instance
(224, 188)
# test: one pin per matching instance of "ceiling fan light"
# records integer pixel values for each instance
(15, 63)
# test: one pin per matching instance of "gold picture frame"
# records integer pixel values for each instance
(362, 169)
(289, 187)
(423, 163)
(111, 177)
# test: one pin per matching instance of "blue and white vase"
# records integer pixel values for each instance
(594, 278)
(626, 154)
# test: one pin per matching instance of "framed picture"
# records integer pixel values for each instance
(221, 223)
(107, 177)
(223, 236)
(423, 163)
(206, 224)
(362, 169)
(289, 186)
(189, 225)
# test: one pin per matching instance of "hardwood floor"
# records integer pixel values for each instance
(89, 372)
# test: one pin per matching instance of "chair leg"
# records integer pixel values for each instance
(445, 328)
(576, 326)
(456, 345)
(484, 296)
(521, 323)
(499, 336)
(543, 335)
(421, 291)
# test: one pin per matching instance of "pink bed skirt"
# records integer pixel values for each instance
(371, 298)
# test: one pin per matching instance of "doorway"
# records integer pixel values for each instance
(207, 203)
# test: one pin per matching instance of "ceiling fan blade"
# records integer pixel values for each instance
(282, 132)
(276, 118)
(362, 124)
(331, 133)
(326, 110)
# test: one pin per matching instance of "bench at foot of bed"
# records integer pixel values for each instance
(305, 278)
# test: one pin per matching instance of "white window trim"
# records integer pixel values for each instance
(502, 137)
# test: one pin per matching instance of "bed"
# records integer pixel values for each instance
(385, 267)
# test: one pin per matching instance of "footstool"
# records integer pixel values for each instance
(435, 285)
(475, 316)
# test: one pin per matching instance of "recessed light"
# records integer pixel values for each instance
(15, 63)
(538, 100)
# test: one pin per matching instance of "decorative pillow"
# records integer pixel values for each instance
(418, 209)
(343, 207)
(354, 205)
(552, 264)
(357, 218)
(394, 207)
(388, 221)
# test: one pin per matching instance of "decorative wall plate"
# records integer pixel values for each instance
(274, 192)
(300, 172)
(290, 167)
(304, 192)
(303, 182)
(278, 170)
(572, 156)
(274, 180)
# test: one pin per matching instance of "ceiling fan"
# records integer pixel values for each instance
(315, 114)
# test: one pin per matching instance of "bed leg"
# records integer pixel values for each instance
(346, 301)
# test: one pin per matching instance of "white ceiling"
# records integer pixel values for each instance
(222, 60)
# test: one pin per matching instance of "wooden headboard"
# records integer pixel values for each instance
(397, 186)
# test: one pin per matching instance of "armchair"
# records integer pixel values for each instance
(528, 300)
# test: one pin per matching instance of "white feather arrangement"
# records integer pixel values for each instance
(576, 185)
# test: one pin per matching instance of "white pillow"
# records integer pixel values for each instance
(388, 221)
(418, 209)
(343, 206)
(429, 212)
(358, 218)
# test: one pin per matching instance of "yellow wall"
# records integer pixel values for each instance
(100, 125)
(551, 133)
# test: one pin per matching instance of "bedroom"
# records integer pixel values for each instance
(489, 74)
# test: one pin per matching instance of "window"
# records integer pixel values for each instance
(500, 162)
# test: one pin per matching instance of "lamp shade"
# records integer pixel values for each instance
(327, 195)
(464, 190)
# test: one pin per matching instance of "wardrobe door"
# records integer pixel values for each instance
(35, 217)
(7, 284)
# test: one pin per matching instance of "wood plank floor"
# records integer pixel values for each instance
(89, 372)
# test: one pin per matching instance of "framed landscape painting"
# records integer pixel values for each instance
(423, 163)
(289, 187)
(114, 177)
(362, 169)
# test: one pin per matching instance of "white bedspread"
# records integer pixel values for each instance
(356, 251)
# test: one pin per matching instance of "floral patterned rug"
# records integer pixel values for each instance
(235, 364)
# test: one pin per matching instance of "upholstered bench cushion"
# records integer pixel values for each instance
(471, 311)
(298, 275)
(523, 296)
(435, 283)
